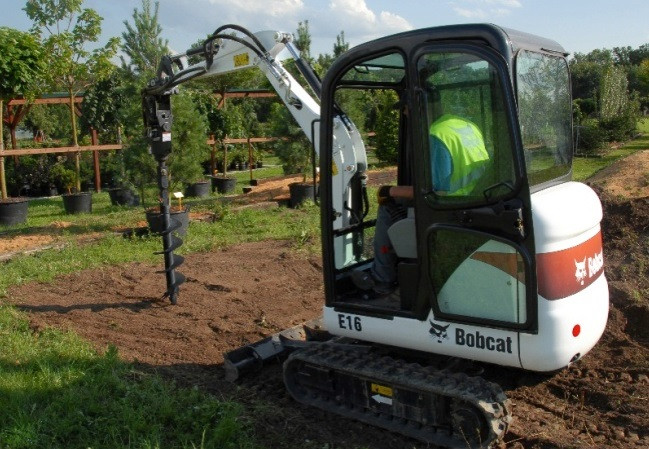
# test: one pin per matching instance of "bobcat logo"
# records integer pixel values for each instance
(438, 331)
(580, 273)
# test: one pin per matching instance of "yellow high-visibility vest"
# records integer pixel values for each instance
(465, 144)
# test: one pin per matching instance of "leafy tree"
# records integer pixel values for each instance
(387, 127)
(52, 121)
(101, 104)
(69, 28)
(295, 152)
(21, 63)
(618, 109)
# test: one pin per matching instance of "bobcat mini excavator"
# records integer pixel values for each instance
(509, 273)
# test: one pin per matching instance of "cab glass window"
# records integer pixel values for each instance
(545, 115)
(469, 140)
(497, 272)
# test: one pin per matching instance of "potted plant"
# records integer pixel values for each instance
(177, 212)
(123, 195)
(198, 189)
(73, 202)
(22, 62)
(220, 123)
(221, 182)
(295, 153)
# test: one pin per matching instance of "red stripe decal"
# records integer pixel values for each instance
(566, 272)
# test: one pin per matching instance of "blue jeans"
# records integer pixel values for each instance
(384, 268)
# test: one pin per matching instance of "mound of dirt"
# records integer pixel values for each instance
(238, 295)
(627, 178)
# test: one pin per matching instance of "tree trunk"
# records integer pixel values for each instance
(77, 156)
(95, 160)
(3, 181)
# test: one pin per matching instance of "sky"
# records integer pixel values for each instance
(578, 25)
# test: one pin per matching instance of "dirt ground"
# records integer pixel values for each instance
(240, 294)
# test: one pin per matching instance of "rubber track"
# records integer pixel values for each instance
(365, 365)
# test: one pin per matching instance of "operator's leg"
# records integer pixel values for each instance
(384, 269)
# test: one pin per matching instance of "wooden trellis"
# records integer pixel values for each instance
(17, 108)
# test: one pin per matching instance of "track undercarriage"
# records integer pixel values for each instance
(441, 407)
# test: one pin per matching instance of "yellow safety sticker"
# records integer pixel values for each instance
(382, 390)
(334, 169)
(241, 59)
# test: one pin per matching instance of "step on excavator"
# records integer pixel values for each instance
(496, 253)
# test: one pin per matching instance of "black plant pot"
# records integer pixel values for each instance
(300, 192)
(199, 189)
(121, 196)
(223, 185)
(77, 203)
(154, 219)
(13, 211)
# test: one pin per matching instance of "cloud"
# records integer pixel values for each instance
(270, 8)
(360, 23)
(484, 9)
(186, 21)
(470, 13)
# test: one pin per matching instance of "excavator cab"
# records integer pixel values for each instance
(487, 259)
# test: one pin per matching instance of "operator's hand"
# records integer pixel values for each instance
(383, 195)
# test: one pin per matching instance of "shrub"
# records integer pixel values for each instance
(589, 137)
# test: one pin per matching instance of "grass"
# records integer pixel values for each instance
(246, 225)
(585, 167)
(57, 392)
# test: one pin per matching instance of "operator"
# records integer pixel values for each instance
(459, 159)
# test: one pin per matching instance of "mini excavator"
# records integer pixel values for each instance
(509, 273)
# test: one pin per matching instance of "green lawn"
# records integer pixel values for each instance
(57, 392)
(585, 167)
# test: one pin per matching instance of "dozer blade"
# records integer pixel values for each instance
(252, 357)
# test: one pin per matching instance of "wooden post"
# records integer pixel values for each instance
(95, 159)
(212, 155)
(250, 158)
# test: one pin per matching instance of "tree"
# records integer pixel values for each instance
(142, 43)
(324, 61)
(72, 66)
(340, 46)
(21, 63)
(295, 152)
(387, 127)
(189, 145)
(303, 41)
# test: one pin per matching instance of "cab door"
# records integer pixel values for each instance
(473, 215)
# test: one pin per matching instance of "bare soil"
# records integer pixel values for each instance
(241, 294)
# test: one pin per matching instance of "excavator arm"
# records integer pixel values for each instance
(232, 48)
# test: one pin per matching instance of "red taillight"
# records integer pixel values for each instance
(576, 330)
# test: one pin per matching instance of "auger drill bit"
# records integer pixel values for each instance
(169, 241)
(156, 108)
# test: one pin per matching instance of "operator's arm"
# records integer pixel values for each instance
(402, 192)
(389, 194)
